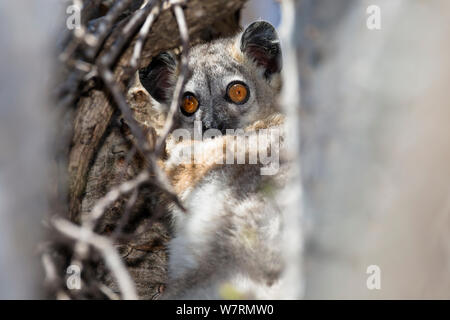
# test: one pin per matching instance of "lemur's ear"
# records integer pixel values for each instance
(260, 42)
(156, 77)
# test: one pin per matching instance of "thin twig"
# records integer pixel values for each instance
(181, 81)
(126, 215)
(143, 33)
(107, 291)
(104, 28)
(106, 248)
(112, 196)
(108, 78)
(81, 249)
(127, 31)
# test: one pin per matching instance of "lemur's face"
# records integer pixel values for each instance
(231, 83)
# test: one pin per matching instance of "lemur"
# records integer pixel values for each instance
(227, 243)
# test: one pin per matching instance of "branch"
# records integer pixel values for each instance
(106, 248)
(181, 21)
(111, 197)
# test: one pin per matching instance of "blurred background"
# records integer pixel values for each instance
(374, 132)
(268, 10)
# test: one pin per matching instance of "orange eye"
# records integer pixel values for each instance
(238, 92)
(189, 105)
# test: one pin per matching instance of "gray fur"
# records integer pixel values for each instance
(230, 237)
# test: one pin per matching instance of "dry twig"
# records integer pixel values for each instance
(104, 245)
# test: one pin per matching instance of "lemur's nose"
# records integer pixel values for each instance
(221, 128)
